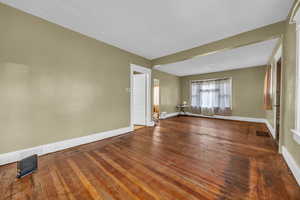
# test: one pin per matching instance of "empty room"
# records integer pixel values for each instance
(142, 100)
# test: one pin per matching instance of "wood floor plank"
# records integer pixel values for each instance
(162, 173)
(93, 192)
(130, 187)
(62, 189)
(182, 158)
(130, 176)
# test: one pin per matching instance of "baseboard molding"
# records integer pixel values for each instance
(291, 163)
(151, 123)
(271, 129)
(235, 118)
(57, 146)
(168, 115)
(296, 135)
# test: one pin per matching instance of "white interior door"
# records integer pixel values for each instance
(139, 99)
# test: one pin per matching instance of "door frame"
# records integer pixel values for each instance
(147, 72)
(279, 55)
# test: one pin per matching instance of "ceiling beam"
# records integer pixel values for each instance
(257, 35)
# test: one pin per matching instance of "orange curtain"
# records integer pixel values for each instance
(267, 95)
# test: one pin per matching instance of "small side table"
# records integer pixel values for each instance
(182, 109)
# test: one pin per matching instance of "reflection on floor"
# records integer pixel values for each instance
(136, 127)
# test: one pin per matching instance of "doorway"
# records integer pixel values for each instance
(140, 97)
(156, 99)
(277, 100)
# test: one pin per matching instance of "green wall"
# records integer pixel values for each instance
(169, 91)
(57, 84)
(247, 89)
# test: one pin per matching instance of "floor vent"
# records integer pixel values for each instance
(262, 134)
(27, 166)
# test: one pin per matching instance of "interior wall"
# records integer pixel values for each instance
(169, 91)
(57, 84)
(289, 90)
(247, 89)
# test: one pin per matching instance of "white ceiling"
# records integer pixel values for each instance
(155, 28)
(243, 57)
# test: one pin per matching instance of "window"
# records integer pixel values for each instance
(211, 97)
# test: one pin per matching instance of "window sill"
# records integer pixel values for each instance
(296, 135)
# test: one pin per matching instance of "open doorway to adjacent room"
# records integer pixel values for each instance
(156, 100)
(140, 97)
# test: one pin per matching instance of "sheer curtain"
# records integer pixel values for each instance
(211, 97)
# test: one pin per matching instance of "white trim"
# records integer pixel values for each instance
(210, 79)
(275, 100)
(297, 88)
(277, 56)
(57, 146)
(278, 53)
(271, 129)
(296, 135)
(168, 115)
(151, 123)
(147, 72)
(296, 18)
(237, 118)
(291, 163)
(274, 95)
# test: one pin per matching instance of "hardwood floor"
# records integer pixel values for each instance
(181, 158)
(136, 127)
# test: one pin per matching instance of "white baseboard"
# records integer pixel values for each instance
(151, 123)
(271, 129)
(296, 135)
(168, 115)
(57, 146)
(237, 118)
(291, 163)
